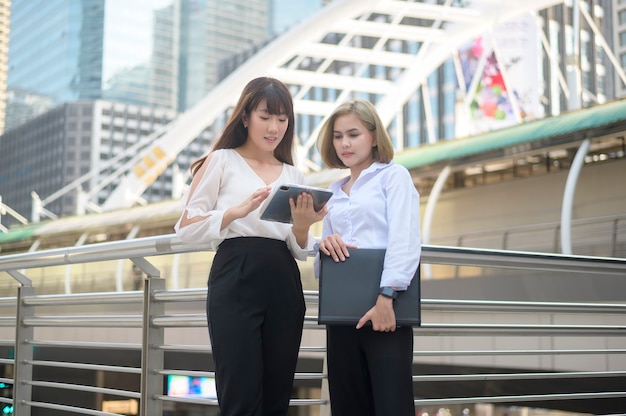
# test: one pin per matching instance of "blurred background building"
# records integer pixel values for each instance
(153, 60)
(5, 16)
(619, 40)
(89, 78)
(98, 88)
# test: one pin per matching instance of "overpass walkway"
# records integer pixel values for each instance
(119, 352)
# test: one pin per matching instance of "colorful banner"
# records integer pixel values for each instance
(507, 91)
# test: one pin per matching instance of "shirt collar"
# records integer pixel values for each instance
(374, 167)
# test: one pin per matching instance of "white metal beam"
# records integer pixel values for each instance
(397, 73)
(359, 55)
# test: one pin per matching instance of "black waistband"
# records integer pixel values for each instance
(256, 242)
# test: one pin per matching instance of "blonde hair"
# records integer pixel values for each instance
(367, 114)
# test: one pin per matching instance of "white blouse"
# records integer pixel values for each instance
(227, 182)
(382, 211)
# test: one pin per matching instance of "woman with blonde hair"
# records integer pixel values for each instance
(376, 206)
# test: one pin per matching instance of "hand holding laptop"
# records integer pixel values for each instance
(349, 289)
(335, 247)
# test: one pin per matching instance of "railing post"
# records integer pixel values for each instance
(22, 390)
(613, 242)
(152, 356)
(325, 395)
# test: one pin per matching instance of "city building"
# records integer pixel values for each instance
(50, 152)
(619, 41)
(284, 14)
(150, 53)
(537, 64)
(211, 31)
(506, 191)
(73, 50)
(5, 16)
(141, 57)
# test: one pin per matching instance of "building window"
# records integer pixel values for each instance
(622, 39)
(622, 17)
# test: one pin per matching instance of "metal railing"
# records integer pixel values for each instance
(539, 330)
(599, 236)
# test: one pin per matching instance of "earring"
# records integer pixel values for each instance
(245, 125)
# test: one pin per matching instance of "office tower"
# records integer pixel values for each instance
(579, 39)
(281, 15)
(284, 14)
(5, 13)
(70, 50)
(50, 151)
(432, 113)
(619, 40)
(142, 56)
(211, 31)
(549, 42)
(149, 53)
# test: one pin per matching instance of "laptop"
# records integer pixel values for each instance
(348, 289)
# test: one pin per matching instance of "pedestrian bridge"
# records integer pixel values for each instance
(119, 352)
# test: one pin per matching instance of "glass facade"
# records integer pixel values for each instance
(167, 54)
(139, 53)
(619, 28)
(286, 13)
(44, 32)
(69, 50)
(157, 53)
(212, 31)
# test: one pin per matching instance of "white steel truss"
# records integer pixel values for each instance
(352, 48)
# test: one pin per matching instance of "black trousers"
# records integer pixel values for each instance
(370, 373)
(255, 312)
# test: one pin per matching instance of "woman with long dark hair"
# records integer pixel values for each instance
(255, 305)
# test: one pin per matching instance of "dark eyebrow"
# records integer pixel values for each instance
(348, 131)
(265, 110)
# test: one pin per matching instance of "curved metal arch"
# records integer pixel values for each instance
(384, 48)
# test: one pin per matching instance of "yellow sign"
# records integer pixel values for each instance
(124, 407)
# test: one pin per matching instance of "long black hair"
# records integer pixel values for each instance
(278, 100)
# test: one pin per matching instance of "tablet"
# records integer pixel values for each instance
(276, 207)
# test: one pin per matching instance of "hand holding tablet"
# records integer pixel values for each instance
(276, 207)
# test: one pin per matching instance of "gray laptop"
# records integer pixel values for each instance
(348, 289)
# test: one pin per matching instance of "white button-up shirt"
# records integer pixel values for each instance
(382, 211)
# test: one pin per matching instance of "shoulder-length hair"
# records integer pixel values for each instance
(367, 114)
(278, 100)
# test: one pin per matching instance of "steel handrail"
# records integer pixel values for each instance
(157, 319)
(170, 244)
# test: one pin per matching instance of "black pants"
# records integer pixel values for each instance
(255, 311)
(369, 372)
